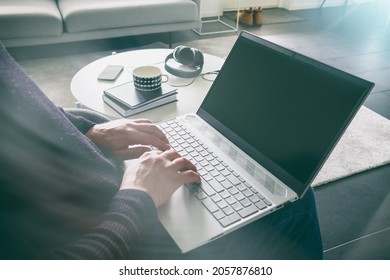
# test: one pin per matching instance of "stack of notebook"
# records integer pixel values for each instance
(128, 101)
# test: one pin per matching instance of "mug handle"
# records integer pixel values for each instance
(166, 76)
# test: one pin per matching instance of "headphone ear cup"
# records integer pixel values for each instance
(191, 57)
(198, 60)
(184, 55)
(176, 53)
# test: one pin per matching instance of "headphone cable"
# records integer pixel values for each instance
(204, 76)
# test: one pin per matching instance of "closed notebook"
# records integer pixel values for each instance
(126, 111)
(128, 95)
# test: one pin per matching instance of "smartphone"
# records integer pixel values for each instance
(110, 73)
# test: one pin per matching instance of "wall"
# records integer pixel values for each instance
(210, 8)
(308, 4)
(287, 4)
(232, 4)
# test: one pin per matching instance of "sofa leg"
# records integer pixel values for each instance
(170, 40)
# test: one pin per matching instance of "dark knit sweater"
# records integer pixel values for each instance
(59, 193)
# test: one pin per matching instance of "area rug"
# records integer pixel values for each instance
(271, 16)
(364, 145)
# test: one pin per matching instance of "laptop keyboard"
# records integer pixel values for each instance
(225, 194)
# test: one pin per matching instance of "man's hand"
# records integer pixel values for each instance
(126, 139)
(160, 174)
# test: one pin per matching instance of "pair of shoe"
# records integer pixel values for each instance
(251, 16)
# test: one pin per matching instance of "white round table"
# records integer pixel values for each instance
(89, 91)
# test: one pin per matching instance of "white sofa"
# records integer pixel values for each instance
(37, 22)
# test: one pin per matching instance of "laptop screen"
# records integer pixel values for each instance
(284, 110)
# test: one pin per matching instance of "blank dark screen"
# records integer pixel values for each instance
(287, 110)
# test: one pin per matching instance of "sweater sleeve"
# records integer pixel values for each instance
(130, 213)
(81, 123)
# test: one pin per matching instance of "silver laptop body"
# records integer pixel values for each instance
(271, 118)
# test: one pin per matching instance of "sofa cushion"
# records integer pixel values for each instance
(87, 15)
(26, 18)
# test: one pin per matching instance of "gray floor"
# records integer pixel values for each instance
(354, 212)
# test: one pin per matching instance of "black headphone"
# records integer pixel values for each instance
(190, 57)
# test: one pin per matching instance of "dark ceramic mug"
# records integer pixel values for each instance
(148, 78)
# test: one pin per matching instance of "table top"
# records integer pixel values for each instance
(89, 91)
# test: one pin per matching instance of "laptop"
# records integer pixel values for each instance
(265, 128)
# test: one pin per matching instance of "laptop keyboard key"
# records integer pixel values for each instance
(245, 202)
(233, 179)
(224, 194)
(219, 215)
(254, 198)
(247, 211)
(216, 186)
(241, 187)
(237, 206)
(233, 190)
(216, 197)
(222, 204)
(261, 205)
(230, 200)
(207, 188)
(207, 177)
(228, 220)
(228, 210)
(266, 201)
(210, 205)
(201, 195)
(239, 196)
(226, 184)
(247, 192)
